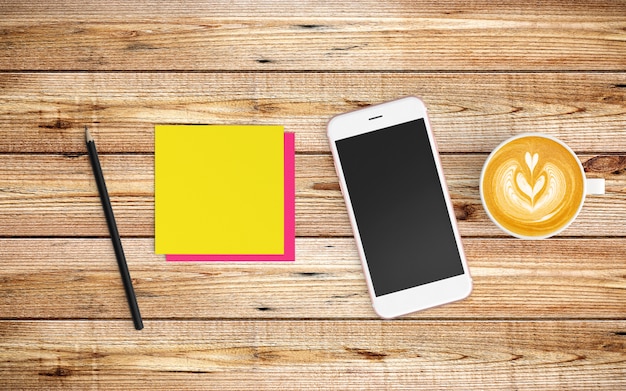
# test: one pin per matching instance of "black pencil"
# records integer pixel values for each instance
(115, 236)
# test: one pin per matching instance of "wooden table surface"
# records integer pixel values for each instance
(543, 314)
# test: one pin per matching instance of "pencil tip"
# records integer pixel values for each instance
(88, 137)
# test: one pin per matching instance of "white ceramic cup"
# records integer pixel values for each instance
(533, 186)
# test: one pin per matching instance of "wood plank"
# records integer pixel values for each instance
(513, 279)
(370, 355)
(56, 195)
(441, 40)
(470, 112)
(120, 10)
(321, 210)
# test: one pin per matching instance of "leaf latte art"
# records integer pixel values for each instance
(532, 186)
(530, 193)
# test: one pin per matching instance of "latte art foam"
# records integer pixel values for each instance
(532, 186)
(530, 195)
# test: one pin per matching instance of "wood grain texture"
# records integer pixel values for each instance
(120, 10)
(470, 112)
(442, 39)
(513, 279)
(224, 355)
(56, 195)
(543, 314)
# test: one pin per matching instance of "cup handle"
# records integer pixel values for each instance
(595, 186)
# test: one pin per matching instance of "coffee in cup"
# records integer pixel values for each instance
(533, 186)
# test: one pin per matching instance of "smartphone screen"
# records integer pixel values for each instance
(399, 207)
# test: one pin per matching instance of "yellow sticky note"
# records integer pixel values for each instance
(219, 189)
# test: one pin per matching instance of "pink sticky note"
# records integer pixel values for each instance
(290, 220)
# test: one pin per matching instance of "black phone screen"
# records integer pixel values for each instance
(399, 207)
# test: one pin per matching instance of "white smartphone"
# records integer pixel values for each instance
(399, 207)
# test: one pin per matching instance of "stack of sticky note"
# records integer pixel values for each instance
(224, 193)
